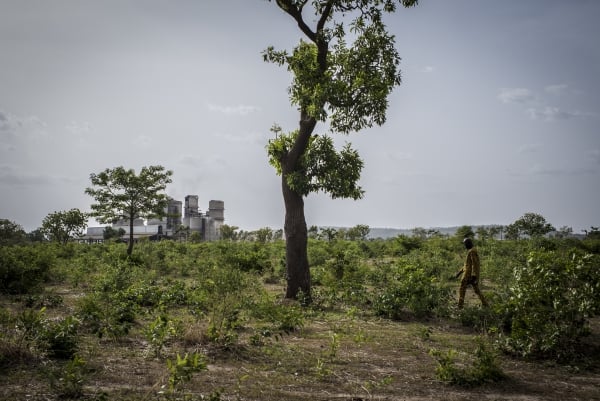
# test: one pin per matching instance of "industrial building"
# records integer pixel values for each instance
(180, 221)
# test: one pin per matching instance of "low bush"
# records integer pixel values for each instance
(483, 367)
(23, 269)
(552, 300)
(60, 338)
(411, 290)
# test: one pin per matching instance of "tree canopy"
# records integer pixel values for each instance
(11, 233)
(64, 225)
(123, 194)
(531, 225)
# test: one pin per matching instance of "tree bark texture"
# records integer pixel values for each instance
(296, 233)
(130, 245)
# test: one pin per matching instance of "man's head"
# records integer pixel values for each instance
(468, 243)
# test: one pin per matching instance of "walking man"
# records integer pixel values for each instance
(470, 274)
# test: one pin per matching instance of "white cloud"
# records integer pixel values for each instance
(552, 114)
(241, 109)
(7, 124)
(11, 176)
(79, 128)
(428, 68)
(242, 138)
(540, 111)
(516, 95)
(556, 89)
(399, 156)
(143, 141)
(3, 120)
(30, 127)
(529, 148)
(593, 156)
(210, 162)
(556, 171)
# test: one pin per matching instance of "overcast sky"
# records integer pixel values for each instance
(497, 115)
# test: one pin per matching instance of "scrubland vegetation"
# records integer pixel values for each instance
(208, 321)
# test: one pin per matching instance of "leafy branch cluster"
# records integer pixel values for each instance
(321, 168)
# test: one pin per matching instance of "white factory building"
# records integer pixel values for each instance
(179, 221)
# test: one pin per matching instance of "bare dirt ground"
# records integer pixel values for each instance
(335, 356)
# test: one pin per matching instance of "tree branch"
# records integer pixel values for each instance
(325, 16)
(307, 125)
(295, 11)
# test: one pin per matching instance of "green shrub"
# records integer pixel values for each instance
(483, 368)
(225, 291)
(181, 369)
(552, 299)
(158, 332)
(68, 381)
(23, 269)
(102, 315)
(286, 318)
(404, 244)
(412, 290)
(318, 252)
(60, 338)
(30, 325)
(14, 348)
(248, 257)
(43, 299)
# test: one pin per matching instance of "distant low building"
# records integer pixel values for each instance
(174, 225)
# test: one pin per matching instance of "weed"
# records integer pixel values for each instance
(68, 381)
(158, 332)
(321, 369)
(182, 369)
(30, 324)
(61, 337)
(334, 345)
(425, 333)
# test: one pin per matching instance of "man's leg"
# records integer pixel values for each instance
(479, 294)
(461, 293)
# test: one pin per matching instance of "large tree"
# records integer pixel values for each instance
(123, 194)
(345, 83)
(64, 225)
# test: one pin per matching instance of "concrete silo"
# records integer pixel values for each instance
(216, 210)
(215, 219)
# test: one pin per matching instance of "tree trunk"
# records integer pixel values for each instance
(296, 234)
(130, 245)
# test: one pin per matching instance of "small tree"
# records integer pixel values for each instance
(358, 232)
(530, 224)
(64, 225)
(329, 233)
(121, 194)
(464, 232)
(11, 233)
(36, 235)
(483, 233)
(264, 235)
(229, 232)
(110, 233)
(564, 232)
(495, 231)
(592, 233)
